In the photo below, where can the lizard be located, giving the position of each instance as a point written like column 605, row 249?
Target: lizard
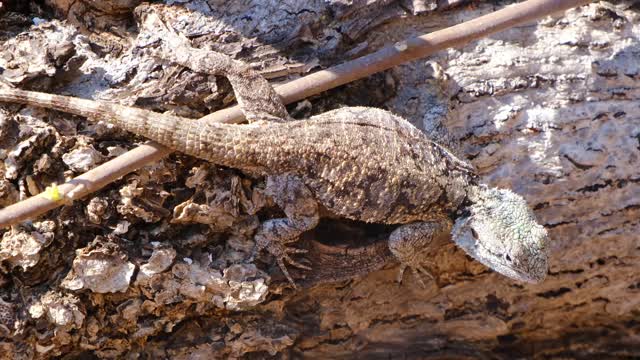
column 359, row 163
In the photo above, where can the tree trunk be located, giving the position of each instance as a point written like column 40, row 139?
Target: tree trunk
column 151, row 266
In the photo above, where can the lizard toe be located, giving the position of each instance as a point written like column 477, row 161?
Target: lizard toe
column 290, row 250
column 281, row 253
column 296, row 264
column 283, row 267
column 418, row 270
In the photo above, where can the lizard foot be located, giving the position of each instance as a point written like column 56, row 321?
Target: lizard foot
column 410, row 245
column 301, row 209
column 418, row 270
column 281, row 252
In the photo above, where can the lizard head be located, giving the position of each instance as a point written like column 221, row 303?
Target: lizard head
column 501, row 232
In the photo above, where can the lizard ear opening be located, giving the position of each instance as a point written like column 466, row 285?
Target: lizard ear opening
column 464, row 235
column 467, row 238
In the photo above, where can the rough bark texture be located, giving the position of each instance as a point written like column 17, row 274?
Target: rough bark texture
column 549, row 110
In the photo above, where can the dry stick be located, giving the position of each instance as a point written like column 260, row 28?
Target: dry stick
column 315, row 83
column 408, row 50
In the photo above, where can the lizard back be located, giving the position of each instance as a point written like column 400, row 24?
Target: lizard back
column 361, row 163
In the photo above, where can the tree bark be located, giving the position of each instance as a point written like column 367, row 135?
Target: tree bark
column 151, row 265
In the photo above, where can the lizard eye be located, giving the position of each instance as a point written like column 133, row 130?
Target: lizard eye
column 507, row 257
column 474, row 233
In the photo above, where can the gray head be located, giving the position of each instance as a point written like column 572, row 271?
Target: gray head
column 501, row 232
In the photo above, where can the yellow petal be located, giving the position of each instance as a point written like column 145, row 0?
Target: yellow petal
column 52, row 193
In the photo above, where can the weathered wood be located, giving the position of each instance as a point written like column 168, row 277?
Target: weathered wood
column 548, row 110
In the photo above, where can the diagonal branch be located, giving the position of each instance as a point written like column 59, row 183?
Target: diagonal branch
column 385, row 58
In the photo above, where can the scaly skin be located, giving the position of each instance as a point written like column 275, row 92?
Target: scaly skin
column 360, row 163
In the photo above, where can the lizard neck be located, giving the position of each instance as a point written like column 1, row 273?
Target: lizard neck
column 475, row 193
column 471, row 196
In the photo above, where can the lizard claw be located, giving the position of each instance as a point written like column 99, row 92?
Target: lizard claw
column 418, row 270
column 410, row 245
column 290, row 250
column 295, row 263
column 281, row 252
column 281, row 263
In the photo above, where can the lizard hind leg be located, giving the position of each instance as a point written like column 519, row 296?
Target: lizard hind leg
column 410, row 245
column 301, row 210
column 256, row 97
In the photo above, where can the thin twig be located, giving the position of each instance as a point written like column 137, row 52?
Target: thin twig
column 312, row 84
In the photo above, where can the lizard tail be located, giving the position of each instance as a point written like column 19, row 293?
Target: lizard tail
column 87, row 108
column 156, row 126
column 222, row 144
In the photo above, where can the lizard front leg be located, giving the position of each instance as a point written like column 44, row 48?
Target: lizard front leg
column 259, row 102
column 301, row 209
column 410, row 243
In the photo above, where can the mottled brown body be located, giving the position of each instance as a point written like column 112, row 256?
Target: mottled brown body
column 360, row 163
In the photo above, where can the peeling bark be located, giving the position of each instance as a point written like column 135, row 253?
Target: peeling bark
column 549, row 110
